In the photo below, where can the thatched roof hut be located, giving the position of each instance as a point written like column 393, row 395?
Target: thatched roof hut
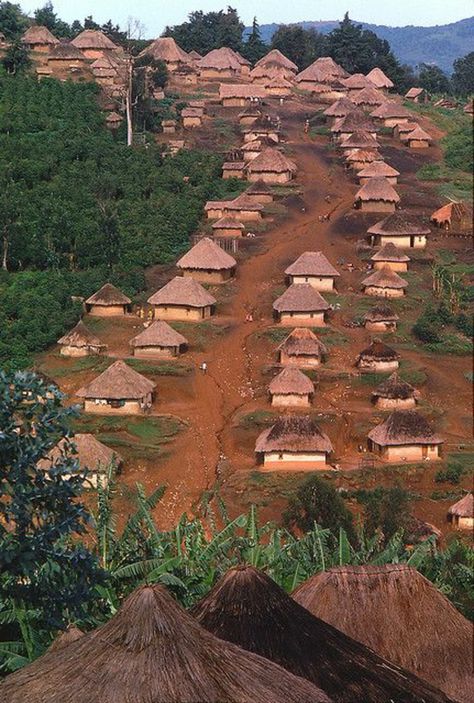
column 159, row 339
column 330, row 67
column 247, row 608
column 228, row 227
column 417, row 95
column 276, row 57
column 360, row 158
column 379, row 79
column 390, row 255
column 263, row 74
column 385, row 282
column 313, row 75
column 356, row 82
column 207, row 261
column 271, row 166
column 87, row 451
column 302, row 348
column 261, row 191
column 301, row 303
column 359, row 139
column 80, row 341
column 238, row 94
column 418, row 138
column 461, row 514
column 381, row 313
column 93, row 39
column 313, row 267
column 368, row 97
column 390, row 110
column 455, row 216
column 152, row 651
column 108, row 300
column 402, row 228
column 404, row 427
column 194, row 55
column 340, row 108
column 378, row 357
column 377, row 195
column 394, row 392
column 166, row 49
column 291, row 436
column 38, row 37
column 354, row 121
column 378, row 169
column 223, row 62
column 278, row 86
column 399, row 614
column 67, row 54
column 291, row 387
column 119, row 381
column 182, row 298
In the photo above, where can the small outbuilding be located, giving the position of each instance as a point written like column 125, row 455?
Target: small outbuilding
column 359, row 139
column 314, row 268
column 113, row 120
column 263, row 126
column 228, row 227
column 417, row 95
column 191, row 117
column 339, row 108
column 260, row 192
column 293, row 444
column 401, row 129
column 355, row 121
column 240, row 94
column 378, row 78
column 276, row 58
column 93, row 43
column 109, row 301
column 271, row 166
column 158, row 341
column 233, row 169
column 243, row 208
column 65, row 58
column 378, row 358
column 291, row 388
column 39, row 38
column 302, row 348
column 251, row 150
column 207, row 262
column 301, row 304
column 167, row 50
column 251, row 113
column 378, row 169
column 168, row 126
column 418, row 139
column 454, row 217
column 356, row 82
column 377, row 195
column 381, row 318
column 80, row 342
column 279, row 87
column 405, row 436
column 392, row 257
column 182, row 299
column 461, row 514
column 385, row 283
column 119, row 390
column 401, row 228
column 357, row 159
column 391, row 113
column 395, row 394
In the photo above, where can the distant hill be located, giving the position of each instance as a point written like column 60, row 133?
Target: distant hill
column 440, row 45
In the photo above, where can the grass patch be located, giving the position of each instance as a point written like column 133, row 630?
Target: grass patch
column 469, row 376
column 160, row 368
column 319, row 131
column 276, row 335
column 85, row 363
column 259, row 418
column 200, row 335
column 453, row 344
column 412, row 374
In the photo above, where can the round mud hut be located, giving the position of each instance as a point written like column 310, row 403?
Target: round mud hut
column 301, row 304
column 291, row 388
column 389, row 255
column 381, row 318
column 461, row 514
column 207, row 262
column 119, row 390
column 314, row 268
column 80, row 341
column 395, row 394
column 301, row 348
column 293, row 444
column 109, row 301
column 378, row 358
column 182, row 299
column 405, row 436
column 376, row 195
column 402, row 229
column 385, row 283
column 158, row 341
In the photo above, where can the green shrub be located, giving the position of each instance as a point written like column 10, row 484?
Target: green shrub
column 452, row 474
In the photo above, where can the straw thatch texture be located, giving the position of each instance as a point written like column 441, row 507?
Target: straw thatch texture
column 247, row 608
column 395, row 388
column 400, row 224
column 377, row 189
column 291, row 381
column 194, row 55
column 369, row 96
column 378, row 169
column 276, row 57
column 182, row 291
column 414, row 92
column 378, row 351
column 302, row 342
column 152, row 651
column 354, row 121
column 118, row 382
column 390, row 109
column 89, row 453
column 220, row 60
column 159, row 334
column 167, row 50
column 399, row 614
column 271, row 161
column 241, row 91
column 452, row 211
column 259, row 188
column 312, row 263
column 379, row 79
column 108, row 295
column 300, row 297
column 313, row 74
column 464, row 507
column 385, row 278
column 208, row 255
column 404, row 427
column 38, row 34
column 279, row 82
column 66, row 52
column 80, row 336
column 340, row 108
column 259, row 144
column 71, row 634
column 419, row 134
column 390, row 252
column 294, row 434
column 356, row 82
column 243, row 202
column 93, row 39
column 362, row 156
column 228, row 223
column 330, row 67
column 359, row 139
column 381, row 313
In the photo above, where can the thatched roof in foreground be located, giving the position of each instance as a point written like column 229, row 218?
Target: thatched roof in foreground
column 152, row 651
column 378, row 351
column 385, row 278
column 37, row 34
column 399, row 614
column 401, row 224
column 276, row 57
column 302, row 342
column 80, row 336
column 182, row 291
column 291, row 381
column 207, row 254
column 71, row 634
column 381, row 313
column 377, row 189
column 158, row 334
column 271, row 161
column 249, row 609
column 404, row 427
column 379, row 79
column 300, row 297
column 86, row 450
column 108, row 295
column 93, row 39
column 395, row 388
column 312, row 263
column 118, row 382
column 378, row 169
column 390, row 252
column 294, row 434
column 464, row 507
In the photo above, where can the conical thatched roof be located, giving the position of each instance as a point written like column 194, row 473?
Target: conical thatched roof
column 312, row 263
column 182, row 291
column 378, row 169
column 329, row 66
column 399, row 614
column 279, row 82
column 206, row 254
column 228, row 223
column 167, row 50
column 381, row 313
column 404, row 427
column 93, row 39
column 259, row 188
column 276, row 57
column 89, row 453
column 71, row 634
column 294, row 434
column 313, row 74
column 118, row 382
column 379, row 79
column 385, row 278
column 362, row 155
column 152, row 651
column 108, row 295
column 259, row 144
column 247, row 608
column 395, row 388
column 354, row 121
column 243, row 202
column 301, row 297
column 37, row 34
column 302, row 342
column 158, row 334
column 378, row 351
column 291, row 381
column 400, row 223
column 390, row 252
column 262, row 122
column 81, row 336
column 369, row 96
column 464, row 507
column 390, row 109
column 356, row 82
column 220, row 59
column 273, row 161
column 405, row 128
column 378, row 189
column 340, row 108
column 359, row 139
column 66, row 52
column 194, row 55
column 418, row 134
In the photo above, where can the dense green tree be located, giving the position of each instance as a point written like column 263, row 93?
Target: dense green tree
column 463, row 75
column 47, row 17
column 17, row 58
column 302, row 46
column 387, row 510
column 211, row 30
column 433, row 79
column 13, row 22
column 254, row 48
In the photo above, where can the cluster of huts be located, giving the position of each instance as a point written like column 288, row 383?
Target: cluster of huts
column 349, row 634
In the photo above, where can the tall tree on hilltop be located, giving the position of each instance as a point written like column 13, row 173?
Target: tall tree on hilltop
column 254, row 48
column 17, row 58
column 13, row 22
column 463, row 75
column 47, row 17
column 205, row 31
column 302, row 46
column 433, row 79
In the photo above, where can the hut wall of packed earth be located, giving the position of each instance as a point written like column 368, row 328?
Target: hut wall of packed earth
column 408, row 452
column 382, row 326
column 226, row 232
column 378, row 365
column 233, row 169
column 107, row 310
column 244, row 215
column 394, row 265
column 259, row 132
column 215, row 212
column 71, row 351
column 376, row 206
column 155, row 352
column 100, row 406
column 192, row 122
column 404, row 242
column 462, row 523
column 291, row 400
column 303, row 362
column 209, row 275
column 311, row 319
column 293, row 461
column 182, row 312
column 270, row 177
column 418, row 143
column 217, row 73
column 320, row 283
column 168, row 126
column 395, row 403
column 378, row 292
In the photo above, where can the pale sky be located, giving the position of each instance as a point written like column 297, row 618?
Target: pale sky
column 156, row 14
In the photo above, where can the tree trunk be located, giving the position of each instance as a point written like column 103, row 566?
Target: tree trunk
column 5, row 253
column 129, row 103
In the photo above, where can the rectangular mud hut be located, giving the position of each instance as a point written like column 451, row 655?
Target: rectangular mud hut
column 293, row 443
column 233, row 169
column 454, row 217
column 405, row 436
column 314, row 268
column 378, row 169
column 301, row 348
column 271, row 166
column 108, row 301
column 391, row 257
column 240, row 94
column 228, row 227
column 158, row 341
column 81, row 342
column 301, row 304
column 207, row 262
column 119, row 390
column 182, row 299
column 395, row 394
column 385, row 283
column 244, row 207
column 291, row 388
column 191, row 117
column 260, row 192
column 377, row 195
column 94, row 44
column 461, row 514
column 417, row 95
column 378, row 358
column 402, row 229
column 381, row 318
column 418, row 139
